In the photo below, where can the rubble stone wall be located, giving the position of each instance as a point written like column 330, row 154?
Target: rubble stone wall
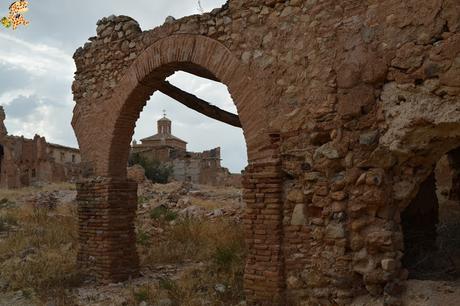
column 346, row 106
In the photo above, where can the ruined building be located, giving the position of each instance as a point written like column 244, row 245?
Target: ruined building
column 196, row 167
column 346, row 106
column 24, row 162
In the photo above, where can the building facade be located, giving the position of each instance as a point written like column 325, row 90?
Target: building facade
column 196, row 167
column 25, row 162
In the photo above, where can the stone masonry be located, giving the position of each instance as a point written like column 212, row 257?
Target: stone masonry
column 346, row 106
column 25, row 162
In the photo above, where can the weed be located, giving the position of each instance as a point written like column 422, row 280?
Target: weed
column 142, row 200
column 163, row 213
column 226, row 256
column 141, row 295
column 158, row 212
column 170, row 216
column 143, row 238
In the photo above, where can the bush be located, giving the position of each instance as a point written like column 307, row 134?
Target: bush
column 143, row 238
column 226, row 257
column 158, row 212
column 141, row 295
column 154, row 170
column 164, row 213
column 6, row 221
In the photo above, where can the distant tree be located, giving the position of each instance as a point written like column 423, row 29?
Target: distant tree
column 154, row 169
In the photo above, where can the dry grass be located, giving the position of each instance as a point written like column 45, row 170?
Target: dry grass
column 218, row 245
column 40, row 255
column 192, row 239
column 208, row 204
column 13, row 194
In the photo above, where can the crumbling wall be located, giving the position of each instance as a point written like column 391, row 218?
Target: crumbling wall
column 25, row 162
column 345, row 106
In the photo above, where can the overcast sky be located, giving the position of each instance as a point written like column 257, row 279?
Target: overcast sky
column 37, row 71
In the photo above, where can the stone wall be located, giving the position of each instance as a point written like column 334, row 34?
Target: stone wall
column 24, row 162
column 346, row 106
column 63, row 155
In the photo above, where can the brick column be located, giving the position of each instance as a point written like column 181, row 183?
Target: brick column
column 106, row 214
column 264, row 273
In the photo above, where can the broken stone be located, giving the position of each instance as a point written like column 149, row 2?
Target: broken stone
column 389, row 264
column 169, row 20
column 295, row 196
column 335, row 231
column 220, row 288
column 368, row 138
column 338, row 195
column 327, row 150
column 351, row 102
column 293, row 282
column 246, row 57
column 312, row 176
column 298, row 215
column 338, row 207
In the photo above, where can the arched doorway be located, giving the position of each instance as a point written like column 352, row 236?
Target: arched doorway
column 431, row 224
column 107, row 201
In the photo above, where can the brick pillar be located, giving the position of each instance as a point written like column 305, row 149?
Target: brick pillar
column 264, row 273
column 106, row 214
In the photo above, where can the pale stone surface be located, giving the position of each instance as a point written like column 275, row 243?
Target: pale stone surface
column 298, row 215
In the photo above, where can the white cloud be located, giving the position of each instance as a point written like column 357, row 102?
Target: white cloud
column 8, row 97
column 36, row 59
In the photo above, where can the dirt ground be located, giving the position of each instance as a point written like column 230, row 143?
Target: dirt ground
column 189, row 240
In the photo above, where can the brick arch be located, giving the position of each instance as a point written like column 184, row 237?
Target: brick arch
column 192, row 53
column 107, row 201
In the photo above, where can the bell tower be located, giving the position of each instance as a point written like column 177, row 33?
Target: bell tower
column 164, row 125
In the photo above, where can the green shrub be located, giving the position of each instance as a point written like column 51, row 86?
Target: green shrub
column 170, row 216
column 158, row 212
column 154, row 170
column 227, row 256
column 6, row 221
column 141, row 295
column 142, row 200
column 162, row 212
column 143, row 238
column 167, row 284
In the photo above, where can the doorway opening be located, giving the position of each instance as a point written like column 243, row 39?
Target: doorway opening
column 431, row 224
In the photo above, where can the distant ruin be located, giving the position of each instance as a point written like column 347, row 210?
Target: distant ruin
column 346, row 107
column 195, row 167
column 25, row 162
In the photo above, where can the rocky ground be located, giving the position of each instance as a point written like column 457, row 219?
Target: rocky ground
column 190, row 243
column 189, row 240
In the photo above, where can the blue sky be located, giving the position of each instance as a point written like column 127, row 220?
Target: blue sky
column 37, row 71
